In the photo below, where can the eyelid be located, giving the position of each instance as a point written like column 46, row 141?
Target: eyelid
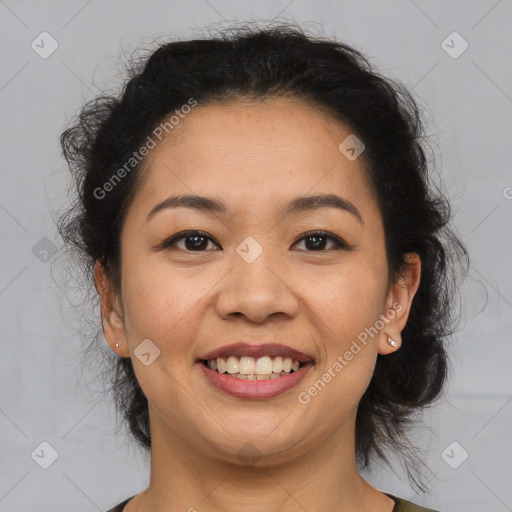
column 339, row 242
column 169, row 242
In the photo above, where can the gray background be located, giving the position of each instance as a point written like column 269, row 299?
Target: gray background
column 468, row 103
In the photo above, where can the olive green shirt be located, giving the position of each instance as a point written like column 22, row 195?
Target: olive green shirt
column 401, row 505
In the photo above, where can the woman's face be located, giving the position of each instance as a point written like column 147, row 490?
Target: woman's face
column 254, row 276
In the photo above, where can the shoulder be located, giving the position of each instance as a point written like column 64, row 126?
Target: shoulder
column 407, row 506
column 120, row 506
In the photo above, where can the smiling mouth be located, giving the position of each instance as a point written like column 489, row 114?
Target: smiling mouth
column 252, row 368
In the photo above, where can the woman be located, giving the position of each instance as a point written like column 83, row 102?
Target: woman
column 275, row 271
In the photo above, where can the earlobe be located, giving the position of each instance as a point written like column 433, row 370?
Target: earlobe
column 391, row 341
column 388, row 343
column 113, row 325
column 399, row 301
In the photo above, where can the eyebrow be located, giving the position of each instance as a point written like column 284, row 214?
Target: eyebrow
column 298, row 205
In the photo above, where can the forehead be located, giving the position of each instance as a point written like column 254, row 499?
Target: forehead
column 250, row 153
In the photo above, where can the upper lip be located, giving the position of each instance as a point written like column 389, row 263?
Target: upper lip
column 259, row 350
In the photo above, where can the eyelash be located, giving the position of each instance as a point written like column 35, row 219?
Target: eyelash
column 338, row 242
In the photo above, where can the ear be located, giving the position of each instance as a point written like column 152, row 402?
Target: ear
column 111, row 311
column 398, row 303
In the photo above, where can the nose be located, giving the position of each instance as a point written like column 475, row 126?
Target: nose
column 257, row 290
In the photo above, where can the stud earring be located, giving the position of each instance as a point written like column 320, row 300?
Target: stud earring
column 391, row 341
column 117, row 344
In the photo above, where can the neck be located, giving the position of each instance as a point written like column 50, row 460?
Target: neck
column 320, row 478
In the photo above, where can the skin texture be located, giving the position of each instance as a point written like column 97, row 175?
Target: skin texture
column 255, row 157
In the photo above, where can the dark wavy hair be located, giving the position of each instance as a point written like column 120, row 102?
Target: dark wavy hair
column 254, row 64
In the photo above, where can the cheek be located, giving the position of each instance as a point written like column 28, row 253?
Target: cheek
column 166, row 310
column 351, row 300
column 347, row 310
column 161, row 305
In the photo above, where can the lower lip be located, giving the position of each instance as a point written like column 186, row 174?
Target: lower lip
column 254, row 388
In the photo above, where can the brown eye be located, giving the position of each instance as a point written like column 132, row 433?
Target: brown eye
column 318, row 240
column 194, row 241
column 197, row 241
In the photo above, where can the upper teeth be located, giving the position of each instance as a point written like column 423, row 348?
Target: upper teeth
column 253, row 366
